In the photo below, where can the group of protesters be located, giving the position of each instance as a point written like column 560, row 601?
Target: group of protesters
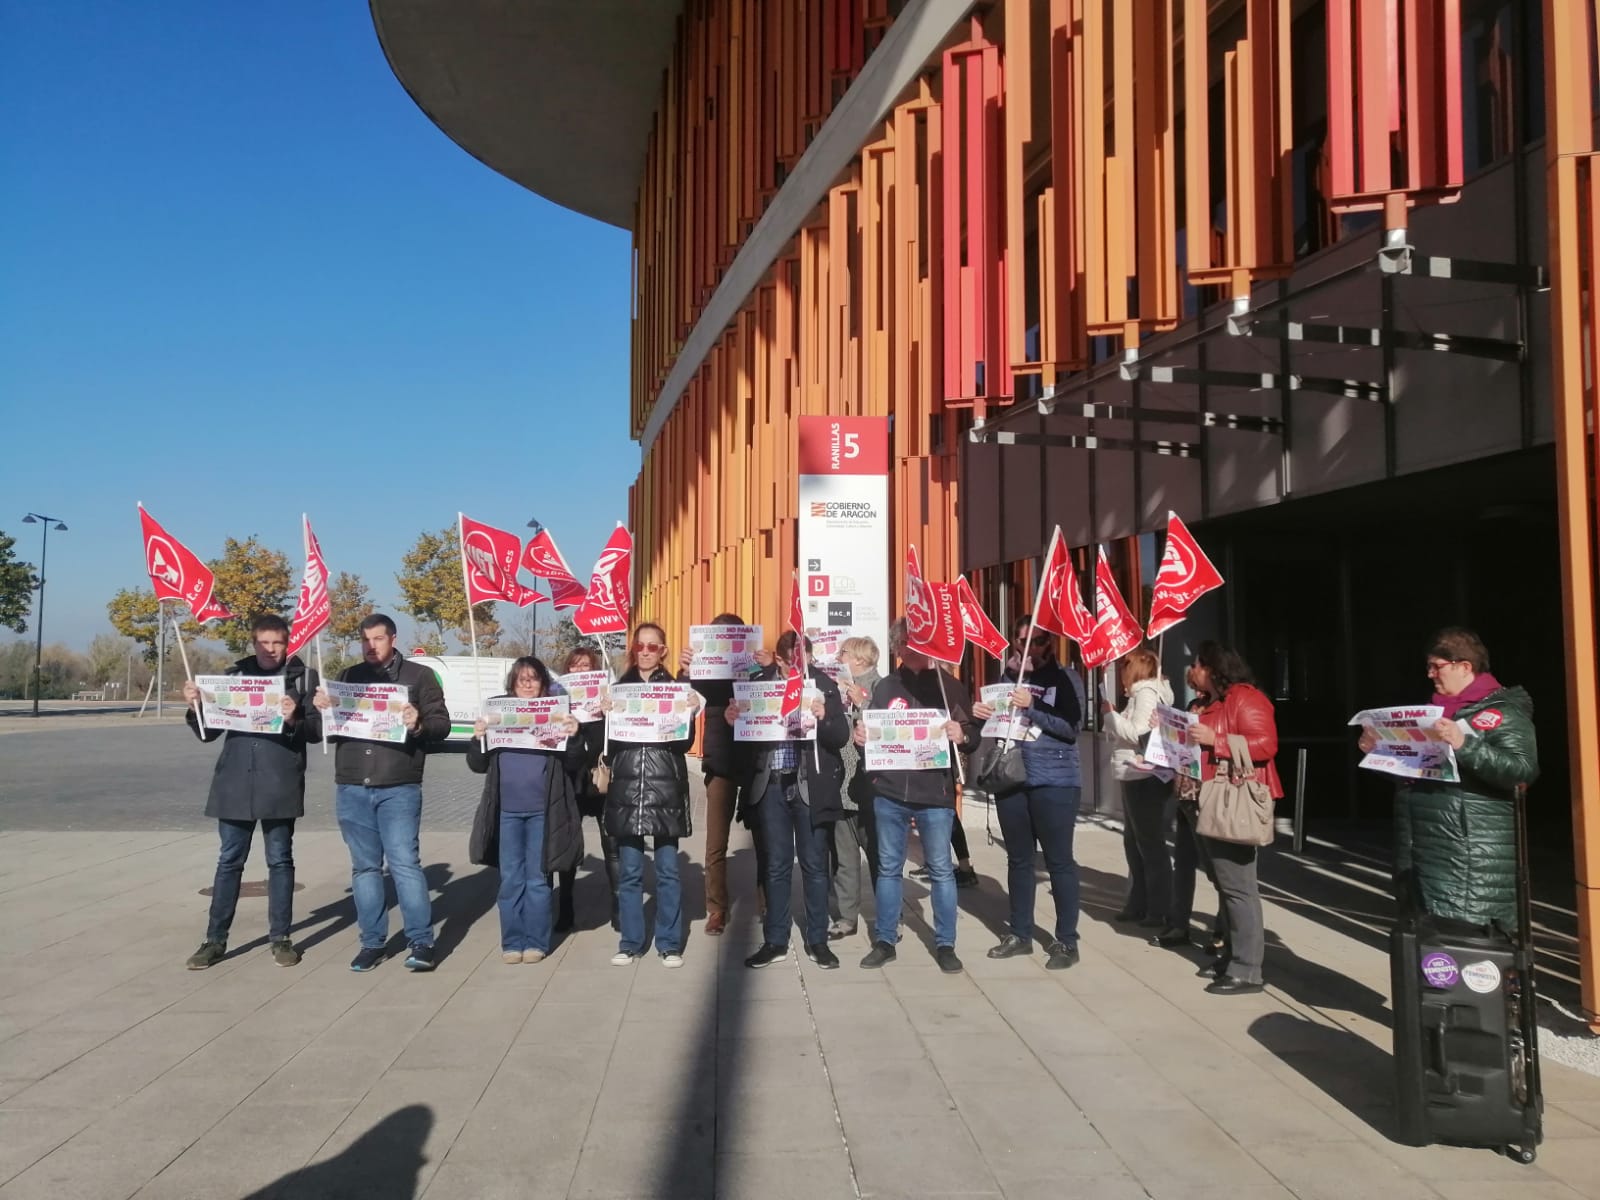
column 811, row 804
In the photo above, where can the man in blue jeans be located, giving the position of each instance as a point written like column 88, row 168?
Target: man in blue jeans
column 259, row 777
column 926, row 799
column 378, row 791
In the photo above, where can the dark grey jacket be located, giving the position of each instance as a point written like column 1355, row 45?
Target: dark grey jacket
column 821, row 774
column 377, row 764
column 262, row 776
column 563, row 824
column 649, row 793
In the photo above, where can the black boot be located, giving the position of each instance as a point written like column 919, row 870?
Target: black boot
column 565, row 920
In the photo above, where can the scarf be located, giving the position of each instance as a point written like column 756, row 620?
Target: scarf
column 1481, row 686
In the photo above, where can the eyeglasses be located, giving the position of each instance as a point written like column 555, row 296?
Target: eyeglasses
column 1435, row 667
column 648, row 647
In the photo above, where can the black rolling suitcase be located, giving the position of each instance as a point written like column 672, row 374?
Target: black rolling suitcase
column 1466, row 1039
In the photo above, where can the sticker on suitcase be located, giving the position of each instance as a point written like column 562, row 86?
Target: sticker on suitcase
column 1482, row 977
column 1440, row 970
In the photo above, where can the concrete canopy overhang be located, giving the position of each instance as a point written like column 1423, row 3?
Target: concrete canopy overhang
column 555, row 95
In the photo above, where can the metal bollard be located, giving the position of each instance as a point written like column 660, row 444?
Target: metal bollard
column 1300, row 801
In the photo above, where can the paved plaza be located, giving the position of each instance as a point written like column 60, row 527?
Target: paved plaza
column 122, row 1074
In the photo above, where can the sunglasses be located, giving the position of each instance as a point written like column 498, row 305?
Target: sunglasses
column 648, row 647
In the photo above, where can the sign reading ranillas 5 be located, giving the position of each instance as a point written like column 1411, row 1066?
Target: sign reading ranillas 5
column 844, row 524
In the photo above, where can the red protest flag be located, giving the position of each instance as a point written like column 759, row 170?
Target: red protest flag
column 1185, row 575
column 489, row 564
column 797, row 617
column 176, row 573
column 793, row 687
column 315, row 609
column 541, row 559
column 605, row 607
column 975, row 623
column 1115, row 631
column 1060, row 605
column 933, row 615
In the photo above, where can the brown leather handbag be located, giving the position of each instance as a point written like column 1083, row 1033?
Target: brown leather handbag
column 1236, row 806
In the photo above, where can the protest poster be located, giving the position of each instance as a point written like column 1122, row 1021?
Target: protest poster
column 836, row 670
column 650, row 712
column 1407, row 745
column 519, row 723
column 825, row 643
column 369, row 712
column 1171, row 747
column 586, row 692
column 761, row 716
column 723, row 651
column 905, row 739
column 242, row 703
column 1008, row 720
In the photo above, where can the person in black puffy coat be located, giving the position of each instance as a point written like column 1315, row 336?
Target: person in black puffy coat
column 649, row 797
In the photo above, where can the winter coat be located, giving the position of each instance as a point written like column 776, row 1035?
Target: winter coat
column 1050, row 742
column 563, row 823
column 649, row 795
column 262, row 776
column 1131, row 726
column 718, row 754
column 384, row 764
column 821, row 774
column 584, row 749
column 905, row 688
column 1245, row 711
column 1455, row 843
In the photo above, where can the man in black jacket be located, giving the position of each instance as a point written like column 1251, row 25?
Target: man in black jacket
column 259, row 777
column 795, row 788
column 924, row 798
column 378, row 791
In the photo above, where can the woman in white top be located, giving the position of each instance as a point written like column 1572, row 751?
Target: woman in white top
column 1146, row 800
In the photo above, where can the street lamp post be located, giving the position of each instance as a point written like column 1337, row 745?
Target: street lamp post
column 533, row 638
column 43, row 522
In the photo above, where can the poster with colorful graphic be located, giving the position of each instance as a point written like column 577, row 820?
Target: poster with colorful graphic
column 1407, row 745
column 1171, row 748
column 369, row 712
column 723, row 651
column 905, row 739
column 650, row 712
column 836, row 671
column 586, row 692
column 825, row 643
column 516, row 723
column 761, row 716
column 1008, row 720
column 242, row 703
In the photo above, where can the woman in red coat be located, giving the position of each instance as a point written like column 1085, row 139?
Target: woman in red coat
column 1238, row 707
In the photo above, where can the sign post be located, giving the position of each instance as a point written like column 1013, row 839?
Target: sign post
column 844, row 525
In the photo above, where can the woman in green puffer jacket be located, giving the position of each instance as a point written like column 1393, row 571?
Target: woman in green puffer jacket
column 1455, row 843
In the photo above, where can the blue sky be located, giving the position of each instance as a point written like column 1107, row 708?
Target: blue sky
column 244, row 277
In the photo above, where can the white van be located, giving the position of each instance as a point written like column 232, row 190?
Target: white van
column 467, row 683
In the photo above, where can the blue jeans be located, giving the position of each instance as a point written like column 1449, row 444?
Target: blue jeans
column 894, row 821
column 381, row 824
column 526, row 920
column 630, row 895
column 1048, row 815
column 278, row 838
column 786, row 826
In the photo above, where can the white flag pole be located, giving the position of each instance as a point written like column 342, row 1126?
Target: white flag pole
column 1033, row 623
column 177, row 632
column 472, row 624
column 955, row 751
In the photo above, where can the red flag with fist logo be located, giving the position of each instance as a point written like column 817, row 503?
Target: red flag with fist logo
column 1060, row 607
column 933, row 615
column 315, row 609
column 489, row 565
column 1185, row 575
column 975, row 623
column 1115, row 630
column 541, row 559
column 176, row 573
column 606, row 607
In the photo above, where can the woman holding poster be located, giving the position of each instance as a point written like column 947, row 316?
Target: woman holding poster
column 589, row 741
column 649, row 797
column 1238, row 707
column 1144, row 795
column 540, row 829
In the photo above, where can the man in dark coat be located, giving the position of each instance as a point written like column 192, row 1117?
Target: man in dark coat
column 378, row 796
column 796, row 789
column 259, row 777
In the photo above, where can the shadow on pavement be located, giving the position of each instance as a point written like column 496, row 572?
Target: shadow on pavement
column 1345, row 1066
column 382, row 1164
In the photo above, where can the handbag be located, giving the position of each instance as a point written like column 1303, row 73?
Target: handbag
column 483, row 844
column 997, row 767
column 1237, row 806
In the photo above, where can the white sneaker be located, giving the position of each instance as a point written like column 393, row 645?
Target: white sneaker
column 622, row 958
column 672, row 960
